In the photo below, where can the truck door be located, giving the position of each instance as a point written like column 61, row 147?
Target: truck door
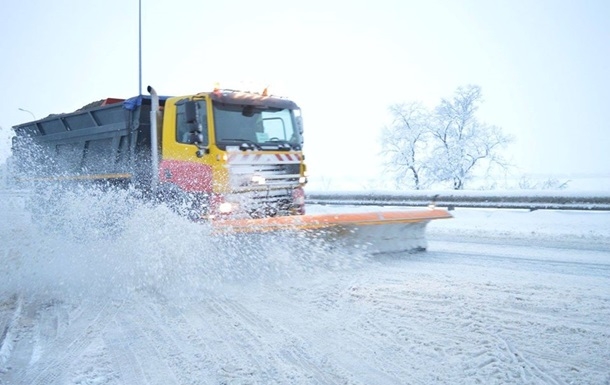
column 185, row 142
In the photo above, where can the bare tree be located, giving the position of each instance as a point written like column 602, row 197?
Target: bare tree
column 463, row 143
column 447, row 145
column 404, row 143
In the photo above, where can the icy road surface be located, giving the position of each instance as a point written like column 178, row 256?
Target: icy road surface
column 500, row 297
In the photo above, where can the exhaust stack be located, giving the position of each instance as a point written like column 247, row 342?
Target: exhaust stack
column 154, row 114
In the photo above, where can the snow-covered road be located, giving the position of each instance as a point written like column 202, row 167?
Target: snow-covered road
column 500, row 297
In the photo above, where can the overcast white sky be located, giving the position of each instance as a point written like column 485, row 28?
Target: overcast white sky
column 543, row 65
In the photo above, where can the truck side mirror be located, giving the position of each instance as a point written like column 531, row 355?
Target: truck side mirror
column 190, row 111
column 195, row 137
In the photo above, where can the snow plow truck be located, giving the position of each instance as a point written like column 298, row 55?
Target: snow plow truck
column 230, row 158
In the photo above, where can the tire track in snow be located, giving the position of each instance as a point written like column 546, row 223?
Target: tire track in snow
column 361, row 346
column 230, row 367
column 129, row 367
column 148, row 345
column 164, row 323
column 401, row 345
column 499, row 361
column 379, row 342
column 47, row 326
column 188, row 330
column 144, row 349
column 458, row 325
column 253, row 348
column 293, row 348
column 7, row 330
column 529, row 369
column 66, row 349
column 262, row 359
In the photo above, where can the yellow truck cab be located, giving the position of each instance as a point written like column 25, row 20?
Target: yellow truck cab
column 239, row 153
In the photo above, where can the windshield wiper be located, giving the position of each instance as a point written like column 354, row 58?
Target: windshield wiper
column 247, row 144
column 281, row 144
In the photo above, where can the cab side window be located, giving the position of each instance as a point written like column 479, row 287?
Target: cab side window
column 185, row 130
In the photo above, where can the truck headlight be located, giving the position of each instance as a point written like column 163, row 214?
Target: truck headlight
column 225, row 208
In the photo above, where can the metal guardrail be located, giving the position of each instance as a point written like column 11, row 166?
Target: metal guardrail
column 521, row 199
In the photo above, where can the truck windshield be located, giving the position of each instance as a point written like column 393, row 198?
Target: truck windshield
column 255, row 127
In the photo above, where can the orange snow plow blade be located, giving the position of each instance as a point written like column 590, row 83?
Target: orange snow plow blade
column 373, row 232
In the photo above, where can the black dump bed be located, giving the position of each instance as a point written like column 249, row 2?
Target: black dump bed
column 106, row 140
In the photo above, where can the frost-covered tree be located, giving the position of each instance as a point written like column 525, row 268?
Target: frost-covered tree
column 462, row 142
column 404, row 143
column 447, row 145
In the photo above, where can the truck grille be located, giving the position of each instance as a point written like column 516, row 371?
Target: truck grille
column 264, row 181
